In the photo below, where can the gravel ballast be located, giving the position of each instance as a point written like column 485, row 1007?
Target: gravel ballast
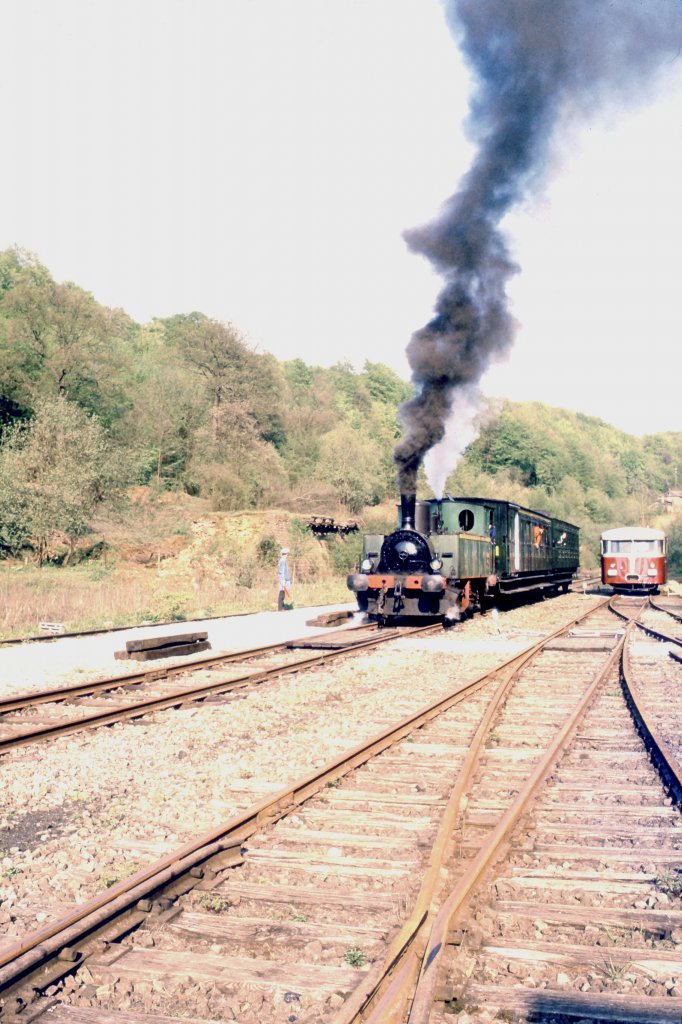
column 81, row 812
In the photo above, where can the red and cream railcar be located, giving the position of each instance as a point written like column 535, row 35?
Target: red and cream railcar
column 633, row 558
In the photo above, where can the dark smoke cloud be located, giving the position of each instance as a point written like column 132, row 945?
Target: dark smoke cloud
column 533, row 61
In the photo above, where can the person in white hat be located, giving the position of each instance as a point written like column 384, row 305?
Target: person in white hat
column 283, row 580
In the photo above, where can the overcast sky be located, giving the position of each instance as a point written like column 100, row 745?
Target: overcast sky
column 258, row 160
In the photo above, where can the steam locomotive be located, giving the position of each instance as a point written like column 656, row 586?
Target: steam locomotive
column 451, row 556
column 633, row 559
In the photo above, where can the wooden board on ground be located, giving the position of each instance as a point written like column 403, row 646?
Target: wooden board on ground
column 652, row 961
column 612, row 917
column 152, row 642
column 218, row 927
column 176, row 967
column 98, row 1015
column 590, row 1005
column 330, row 619
column 298, row 895
column 151, row 648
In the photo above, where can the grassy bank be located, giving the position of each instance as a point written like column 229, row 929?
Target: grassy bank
column 169, row 558
column 92, row 597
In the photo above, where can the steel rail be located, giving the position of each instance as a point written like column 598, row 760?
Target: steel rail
column 659, row 635
column 621, row 613
column 668, row 611
column 415, row 965
column 47, row 942
column 21, row 701
column 412, row 927
column 454, row 904
column 178, row 697
column 665, row 762
column 665, row 637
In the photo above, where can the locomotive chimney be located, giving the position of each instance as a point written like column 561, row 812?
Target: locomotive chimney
column 408, row 504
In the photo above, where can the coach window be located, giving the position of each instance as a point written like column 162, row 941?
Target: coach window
column 466, row 519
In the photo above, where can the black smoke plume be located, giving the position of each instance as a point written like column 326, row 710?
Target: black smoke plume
column 534, row 62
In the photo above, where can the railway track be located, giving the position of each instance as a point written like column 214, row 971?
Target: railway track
column 396, row 802
column 46, row 714
column 670, row 605
column 300, row 908
column 581, row 921
column 40, row 715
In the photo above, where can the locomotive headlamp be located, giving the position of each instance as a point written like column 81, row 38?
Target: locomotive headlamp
column 436, row 564
column 367, row 565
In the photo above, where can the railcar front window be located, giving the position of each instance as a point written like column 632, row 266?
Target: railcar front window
column 633, row 547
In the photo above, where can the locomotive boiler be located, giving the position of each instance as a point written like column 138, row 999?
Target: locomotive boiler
column 451, row 556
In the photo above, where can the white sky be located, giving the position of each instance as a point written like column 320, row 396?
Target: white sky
column 258, row 160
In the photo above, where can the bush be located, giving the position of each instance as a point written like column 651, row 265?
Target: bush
column 267, row 550
column 344, row 553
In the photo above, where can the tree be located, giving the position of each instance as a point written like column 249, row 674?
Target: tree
column 384, row 385
column 674, row 531
column 54, row 472
column 217, row 352
column 56, row 340
column 162, row 425
column 352, row 464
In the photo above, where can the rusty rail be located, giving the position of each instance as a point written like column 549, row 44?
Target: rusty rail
column 46, row 943
column 663, row 758
column 409, row 973
column 20, row 701
column 178, row 697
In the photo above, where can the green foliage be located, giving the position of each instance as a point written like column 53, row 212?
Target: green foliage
column 267, row 550
column 54, row 472
column 355, row 957
column 193, row 407
column 574, row 466
column 384, row 385
column 214, row 902
column 344, row 552
column 351, row 463
column 56, row 340
column 674, row 532
column 670, row 882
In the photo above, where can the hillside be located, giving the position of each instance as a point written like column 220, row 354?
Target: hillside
column 117, row 438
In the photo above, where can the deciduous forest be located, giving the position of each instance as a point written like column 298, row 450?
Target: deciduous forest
column 93, row 404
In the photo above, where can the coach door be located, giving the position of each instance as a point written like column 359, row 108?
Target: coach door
column 514, row 541
column 517, row 543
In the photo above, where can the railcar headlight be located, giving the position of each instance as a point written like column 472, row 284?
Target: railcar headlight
column 367, row 565
column 436, row 564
